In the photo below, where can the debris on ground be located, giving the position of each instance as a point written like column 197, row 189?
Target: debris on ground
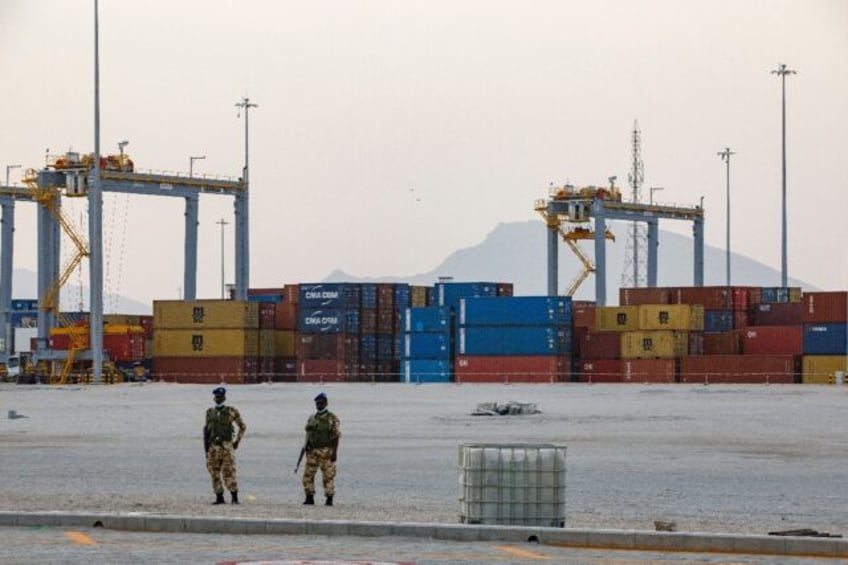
column 665, row 526
column 805, row 532
column 510, row 408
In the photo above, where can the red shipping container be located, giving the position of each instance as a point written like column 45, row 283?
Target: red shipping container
column 639, row 296
column 385, row 296
column 321, row 371
column 773, row 340
column 775, row 314
column 376, row 372
column 740, row 369
column 600, row 371
column 285, row 370
column 385, row 322
column 512, row 369
column 342, row 347
column 125, row 347
column 267, row 315
column 711, row 297
column 291, row 293
column 649, row 370
column 724, row 343
column 583, row 314
column 601, row 345
column 147, row 324
column 264, row 291
column 503, row 289
column 285, row 316
column 205, row 370
column 824, row 307
column 740, row 319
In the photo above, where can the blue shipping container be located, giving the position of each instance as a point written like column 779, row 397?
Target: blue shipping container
column 329, row 295
column 515, row 311
column 385, row 347
column 369, row 295
column 513, row 340
column 318, row 321
column 427, row 346
column 427, row 371
column 826, row 339
column 402, row 296
column 265, row 298
column 448, row 294
column 718, row 321
column 427, row 319
column 368, row 347
column 24, row 304
column 23, row 318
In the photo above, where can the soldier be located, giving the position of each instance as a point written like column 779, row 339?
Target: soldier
column 220, row 445
column 322, row 446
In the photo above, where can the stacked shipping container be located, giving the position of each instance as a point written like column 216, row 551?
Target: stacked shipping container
column 825, row 341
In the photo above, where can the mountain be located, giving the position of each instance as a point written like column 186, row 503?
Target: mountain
column 517, row 252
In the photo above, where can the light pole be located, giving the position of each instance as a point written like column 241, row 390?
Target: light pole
column 222, row 223
column 782, row 71
column 191, row 161
column 725, row 156
column 651, row 192
column 9, row 168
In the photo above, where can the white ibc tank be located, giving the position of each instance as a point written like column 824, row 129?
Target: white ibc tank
column 512, row 484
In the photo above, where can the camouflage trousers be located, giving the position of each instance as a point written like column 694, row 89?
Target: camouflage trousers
column 221, row 464
column 319, row 458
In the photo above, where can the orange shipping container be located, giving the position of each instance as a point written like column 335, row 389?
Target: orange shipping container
column 211, row 314
column 206, row 343
column 205, row 370
column 600, row 371
column 739, row 369
column 645, row 295
column 512, row 369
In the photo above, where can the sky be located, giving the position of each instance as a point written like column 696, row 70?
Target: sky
column 389, row 134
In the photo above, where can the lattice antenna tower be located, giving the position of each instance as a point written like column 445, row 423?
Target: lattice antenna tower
column 634, row 273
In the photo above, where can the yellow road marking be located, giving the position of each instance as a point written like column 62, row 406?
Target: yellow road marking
column 80, row 538
column 522, row 552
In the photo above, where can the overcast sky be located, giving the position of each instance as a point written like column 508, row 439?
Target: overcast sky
column 391, row 133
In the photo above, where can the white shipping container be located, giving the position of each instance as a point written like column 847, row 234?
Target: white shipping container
column 23, row 339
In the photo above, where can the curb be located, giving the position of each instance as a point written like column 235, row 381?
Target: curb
column 600, row 539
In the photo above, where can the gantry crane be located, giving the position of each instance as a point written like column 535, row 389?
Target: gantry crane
column 69, row 175
column 569, row 209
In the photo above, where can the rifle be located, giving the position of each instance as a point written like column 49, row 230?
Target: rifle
column 300, row 458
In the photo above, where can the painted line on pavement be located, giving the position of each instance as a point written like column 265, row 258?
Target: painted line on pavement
column 80, row 538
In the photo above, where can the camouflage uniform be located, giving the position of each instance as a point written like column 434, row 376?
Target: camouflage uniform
column 220, row 446
column 322, row 438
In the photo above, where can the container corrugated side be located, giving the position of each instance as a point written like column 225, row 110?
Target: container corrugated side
column 426, row 371
column 427, row 319
column 321, row 320
column 205, row 370
column 600, row 371
column 600, row 345
column 206, row 343
column 773, row 340
column 513, row 340
column 426, row 345
column 330, row 295
column 616, row 318
column 683, row 317
column 739, row 369
column 418, row 296
column 724, row 343
column 645, row 295
column 654, row 344
column 267, row 345
column 825, row 339
column 824, row 307
column 323, row 371
column 775, row 314
column 514, row 310
column 649, row 370
column 211, row 314
column 512, row 369
column 821, row 369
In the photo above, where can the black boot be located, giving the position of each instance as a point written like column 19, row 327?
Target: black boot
column 310, row 499
column 234, row 495
column 219, row 498
column 329, row 501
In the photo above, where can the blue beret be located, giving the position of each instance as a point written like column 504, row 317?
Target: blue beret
column 220, row 391
column 321, row 396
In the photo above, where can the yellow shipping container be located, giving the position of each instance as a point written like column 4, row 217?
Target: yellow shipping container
column 267, row 347
column 285, row 343
column 211, row 314
column 206, row 343
column 821, row 369
column 684, row 317
column 617, row 318
column 654, row 345
column 417, row 295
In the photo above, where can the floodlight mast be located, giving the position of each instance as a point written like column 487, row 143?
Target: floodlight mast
column 242, row 251
column 725, row 156
column 782, row 71
column 95, row 227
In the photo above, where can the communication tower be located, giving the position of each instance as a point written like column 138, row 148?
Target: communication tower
column 634, row 273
